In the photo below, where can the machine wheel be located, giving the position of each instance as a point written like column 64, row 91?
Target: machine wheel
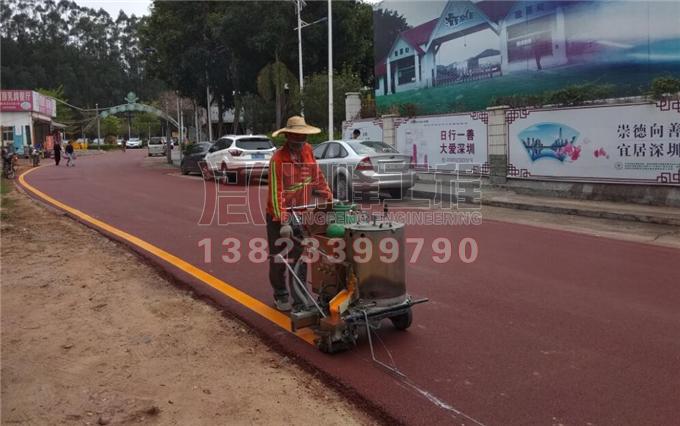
column 341, row 190
column 326, row 346
column 402, row 321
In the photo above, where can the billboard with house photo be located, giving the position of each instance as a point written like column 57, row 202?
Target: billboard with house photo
column 446, row 56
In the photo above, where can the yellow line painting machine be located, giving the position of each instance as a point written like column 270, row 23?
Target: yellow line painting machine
column 354, row 264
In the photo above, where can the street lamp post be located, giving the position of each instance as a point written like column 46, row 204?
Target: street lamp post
column 207, row 109
column 168, row 142
column 299, row 4
column 330, row 70
column 181, row 132
column 129, row 117
column 179, row 123
column 299, row 31
column 99, row 135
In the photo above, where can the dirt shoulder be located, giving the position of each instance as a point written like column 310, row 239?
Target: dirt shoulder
column 92, row 336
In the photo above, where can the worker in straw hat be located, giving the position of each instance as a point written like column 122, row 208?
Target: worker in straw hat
column 294, row 180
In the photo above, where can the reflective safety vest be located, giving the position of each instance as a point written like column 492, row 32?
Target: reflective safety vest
column 291, row 181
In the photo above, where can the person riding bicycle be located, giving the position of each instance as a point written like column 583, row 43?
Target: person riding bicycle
column 294, row 180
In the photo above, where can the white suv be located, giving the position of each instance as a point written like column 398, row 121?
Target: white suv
column 157, row 145
column 233, row 158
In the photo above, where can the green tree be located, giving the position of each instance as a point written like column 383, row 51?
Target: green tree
column 95, row 59
column 315, row 97
column 387, row 26
column 275, row 82
column 65, row 114
column 144, row 123
column 111, row 126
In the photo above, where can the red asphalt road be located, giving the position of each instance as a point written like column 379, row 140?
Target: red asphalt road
column 546, row 327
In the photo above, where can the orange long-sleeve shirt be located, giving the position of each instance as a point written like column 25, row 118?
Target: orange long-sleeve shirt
column 292, row 179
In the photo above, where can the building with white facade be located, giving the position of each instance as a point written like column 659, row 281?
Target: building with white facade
column 26, row 118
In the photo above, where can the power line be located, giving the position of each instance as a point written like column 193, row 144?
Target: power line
column 83, row 109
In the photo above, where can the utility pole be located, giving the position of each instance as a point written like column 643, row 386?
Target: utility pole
column 99, row 135
column 330, row 70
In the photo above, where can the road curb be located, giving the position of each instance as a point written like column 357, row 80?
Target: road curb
column 574, row 211
column 221, row 301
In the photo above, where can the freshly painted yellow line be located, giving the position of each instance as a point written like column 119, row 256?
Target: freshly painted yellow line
column 228, row 290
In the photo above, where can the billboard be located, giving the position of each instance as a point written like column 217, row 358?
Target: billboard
column 625, row 143
column 444, row 142
column 369, row 130
column 16, row 100
column 27, row 100
column 446, row 56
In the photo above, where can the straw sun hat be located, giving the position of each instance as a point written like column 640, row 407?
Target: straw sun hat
column 296, row 124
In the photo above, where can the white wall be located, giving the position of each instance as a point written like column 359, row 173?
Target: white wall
column 10, row 119
column 618, row 144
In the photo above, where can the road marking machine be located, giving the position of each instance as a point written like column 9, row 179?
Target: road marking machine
column 354, row 263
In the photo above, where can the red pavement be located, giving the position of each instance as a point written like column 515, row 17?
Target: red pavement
column 546, row 327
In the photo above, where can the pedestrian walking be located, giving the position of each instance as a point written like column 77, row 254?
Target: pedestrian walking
column 70, row 155
column 57, row 152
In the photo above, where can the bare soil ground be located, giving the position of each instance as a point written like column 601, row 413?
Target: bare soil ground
column 92, row 336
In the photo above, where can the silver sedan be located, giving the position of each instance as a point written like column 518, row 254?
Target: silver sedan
column 364, row 166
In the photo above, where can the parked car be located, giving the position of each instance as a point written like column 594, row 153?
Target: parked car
column 364, row 166
column 133, row 143
column 157, row 145
column 235, row 157
column 194, row 157
column 119, row 142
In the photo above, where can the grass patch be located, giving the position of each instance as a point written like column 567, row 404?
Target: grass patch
column 626, row 80
column 5, row 186
column 5, row 202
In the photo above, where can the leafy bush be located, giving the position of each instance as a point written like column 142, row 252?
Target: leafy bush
column 664, row 86
column 408, row 110
column 315, row 97
column 312, row 139
column 576, row 94
column 104, row 147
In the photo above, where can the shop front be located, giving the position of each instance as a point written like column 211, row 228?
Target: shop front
column 26, row 118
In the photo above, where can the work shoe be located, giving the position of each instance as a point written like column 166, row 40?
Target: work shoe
column 282, row 305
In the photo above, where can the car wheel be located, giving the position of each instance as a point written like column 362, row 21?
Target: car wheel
column 341, row 190
column 395, row 193
column 225, row 175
